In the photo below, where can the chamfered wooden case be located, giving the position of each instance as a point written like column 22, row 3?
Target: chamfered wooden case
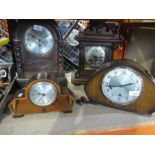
column 145, row 104
column 22, row 105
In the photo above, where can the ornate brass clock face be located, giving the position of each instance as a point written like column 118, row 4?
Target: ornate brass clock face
column 122, row 85
column 95, row 56
column 43, row 93
column 38, row 40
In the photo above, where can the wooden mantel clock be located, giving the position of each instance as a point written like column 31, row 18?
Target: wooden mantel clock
column 45, row 92
column 98, row 44
column 124, row 85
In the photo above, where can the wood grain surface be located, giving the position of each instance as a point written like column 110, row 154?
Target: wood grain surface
column 145, row 104
column 23, row 105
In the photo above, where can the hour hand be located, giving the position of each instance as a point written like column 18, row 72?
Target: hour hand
column 45, row 36
column 33, row 36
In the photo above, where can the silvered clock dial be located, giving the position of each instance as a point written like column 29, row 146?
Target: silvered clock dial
column 122, row 85
column 95, row 56
column 38, row 40
column 43, row 93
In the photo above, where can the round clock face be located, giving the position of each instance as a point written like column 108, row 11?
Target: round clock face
column 43, row 93
column 95, row 56
column 122, row 85
column 38, row 40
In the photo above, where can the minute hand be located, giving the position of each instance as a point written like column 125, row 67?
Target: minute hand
column 128, row 84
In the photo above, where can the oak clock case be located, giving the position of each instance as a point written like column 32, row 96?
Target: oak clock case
column 45, row 92
column 97, row 47
column 35, row 46
column 124, row 85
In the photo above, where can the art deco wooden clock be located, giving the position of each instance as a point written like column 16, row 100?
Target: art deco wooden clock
column 97, row 46
column 44, row 93
column 125, row 85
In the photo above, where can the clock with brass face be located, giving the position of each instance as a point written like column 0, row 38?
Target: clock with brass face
column 45, row 92
column 97, row 45
column 123, row 84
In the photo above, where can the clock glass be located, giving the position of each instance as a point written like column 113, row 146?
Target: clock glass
column 95, row 56
column 43, row 93
column 122, row 85
column 38, row 40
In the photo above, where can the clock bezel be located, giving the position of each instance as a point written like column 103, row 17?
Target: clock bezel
column 107, row 51
column 40, row 54
column 133, row 70
column 43, row 80
column 38, row 83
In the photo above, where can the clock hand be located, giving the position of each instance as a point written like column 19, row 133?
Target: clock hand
column 44, row 37
column 120, row 85
column 34, row 36
column 40, row 99
column 99, row 57
column 42, row 94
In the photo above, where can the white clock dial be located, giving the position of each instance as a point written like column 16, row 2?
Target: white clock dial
column 122, row 85
column 43, row 93
column 38, row 40
column 95, row 56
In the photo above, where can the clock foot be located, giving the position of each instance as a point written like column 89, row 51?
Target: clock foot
column 147, row 114
column 18, row 116
column 77, row 84
column 82, row 100
column 69, row 111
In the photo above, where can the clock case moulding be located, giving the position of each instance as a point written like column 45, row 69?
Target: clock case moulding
column 97, row 35
column 145, row 104
column 21, row 104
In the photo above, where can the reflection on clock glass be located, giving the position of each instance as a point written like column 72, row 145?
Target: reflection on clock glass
column 122, row 85
column 43, row 93
column 95, row 56
column 38, row 40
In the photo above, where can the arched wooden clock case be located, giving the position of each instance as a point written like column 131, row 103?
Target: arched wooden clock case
column 34, row 45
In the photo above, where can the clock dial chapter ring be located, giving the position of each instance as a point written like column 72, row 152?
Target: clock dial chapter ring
column 43, row 93
column 122, row 85
column 38, row 40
